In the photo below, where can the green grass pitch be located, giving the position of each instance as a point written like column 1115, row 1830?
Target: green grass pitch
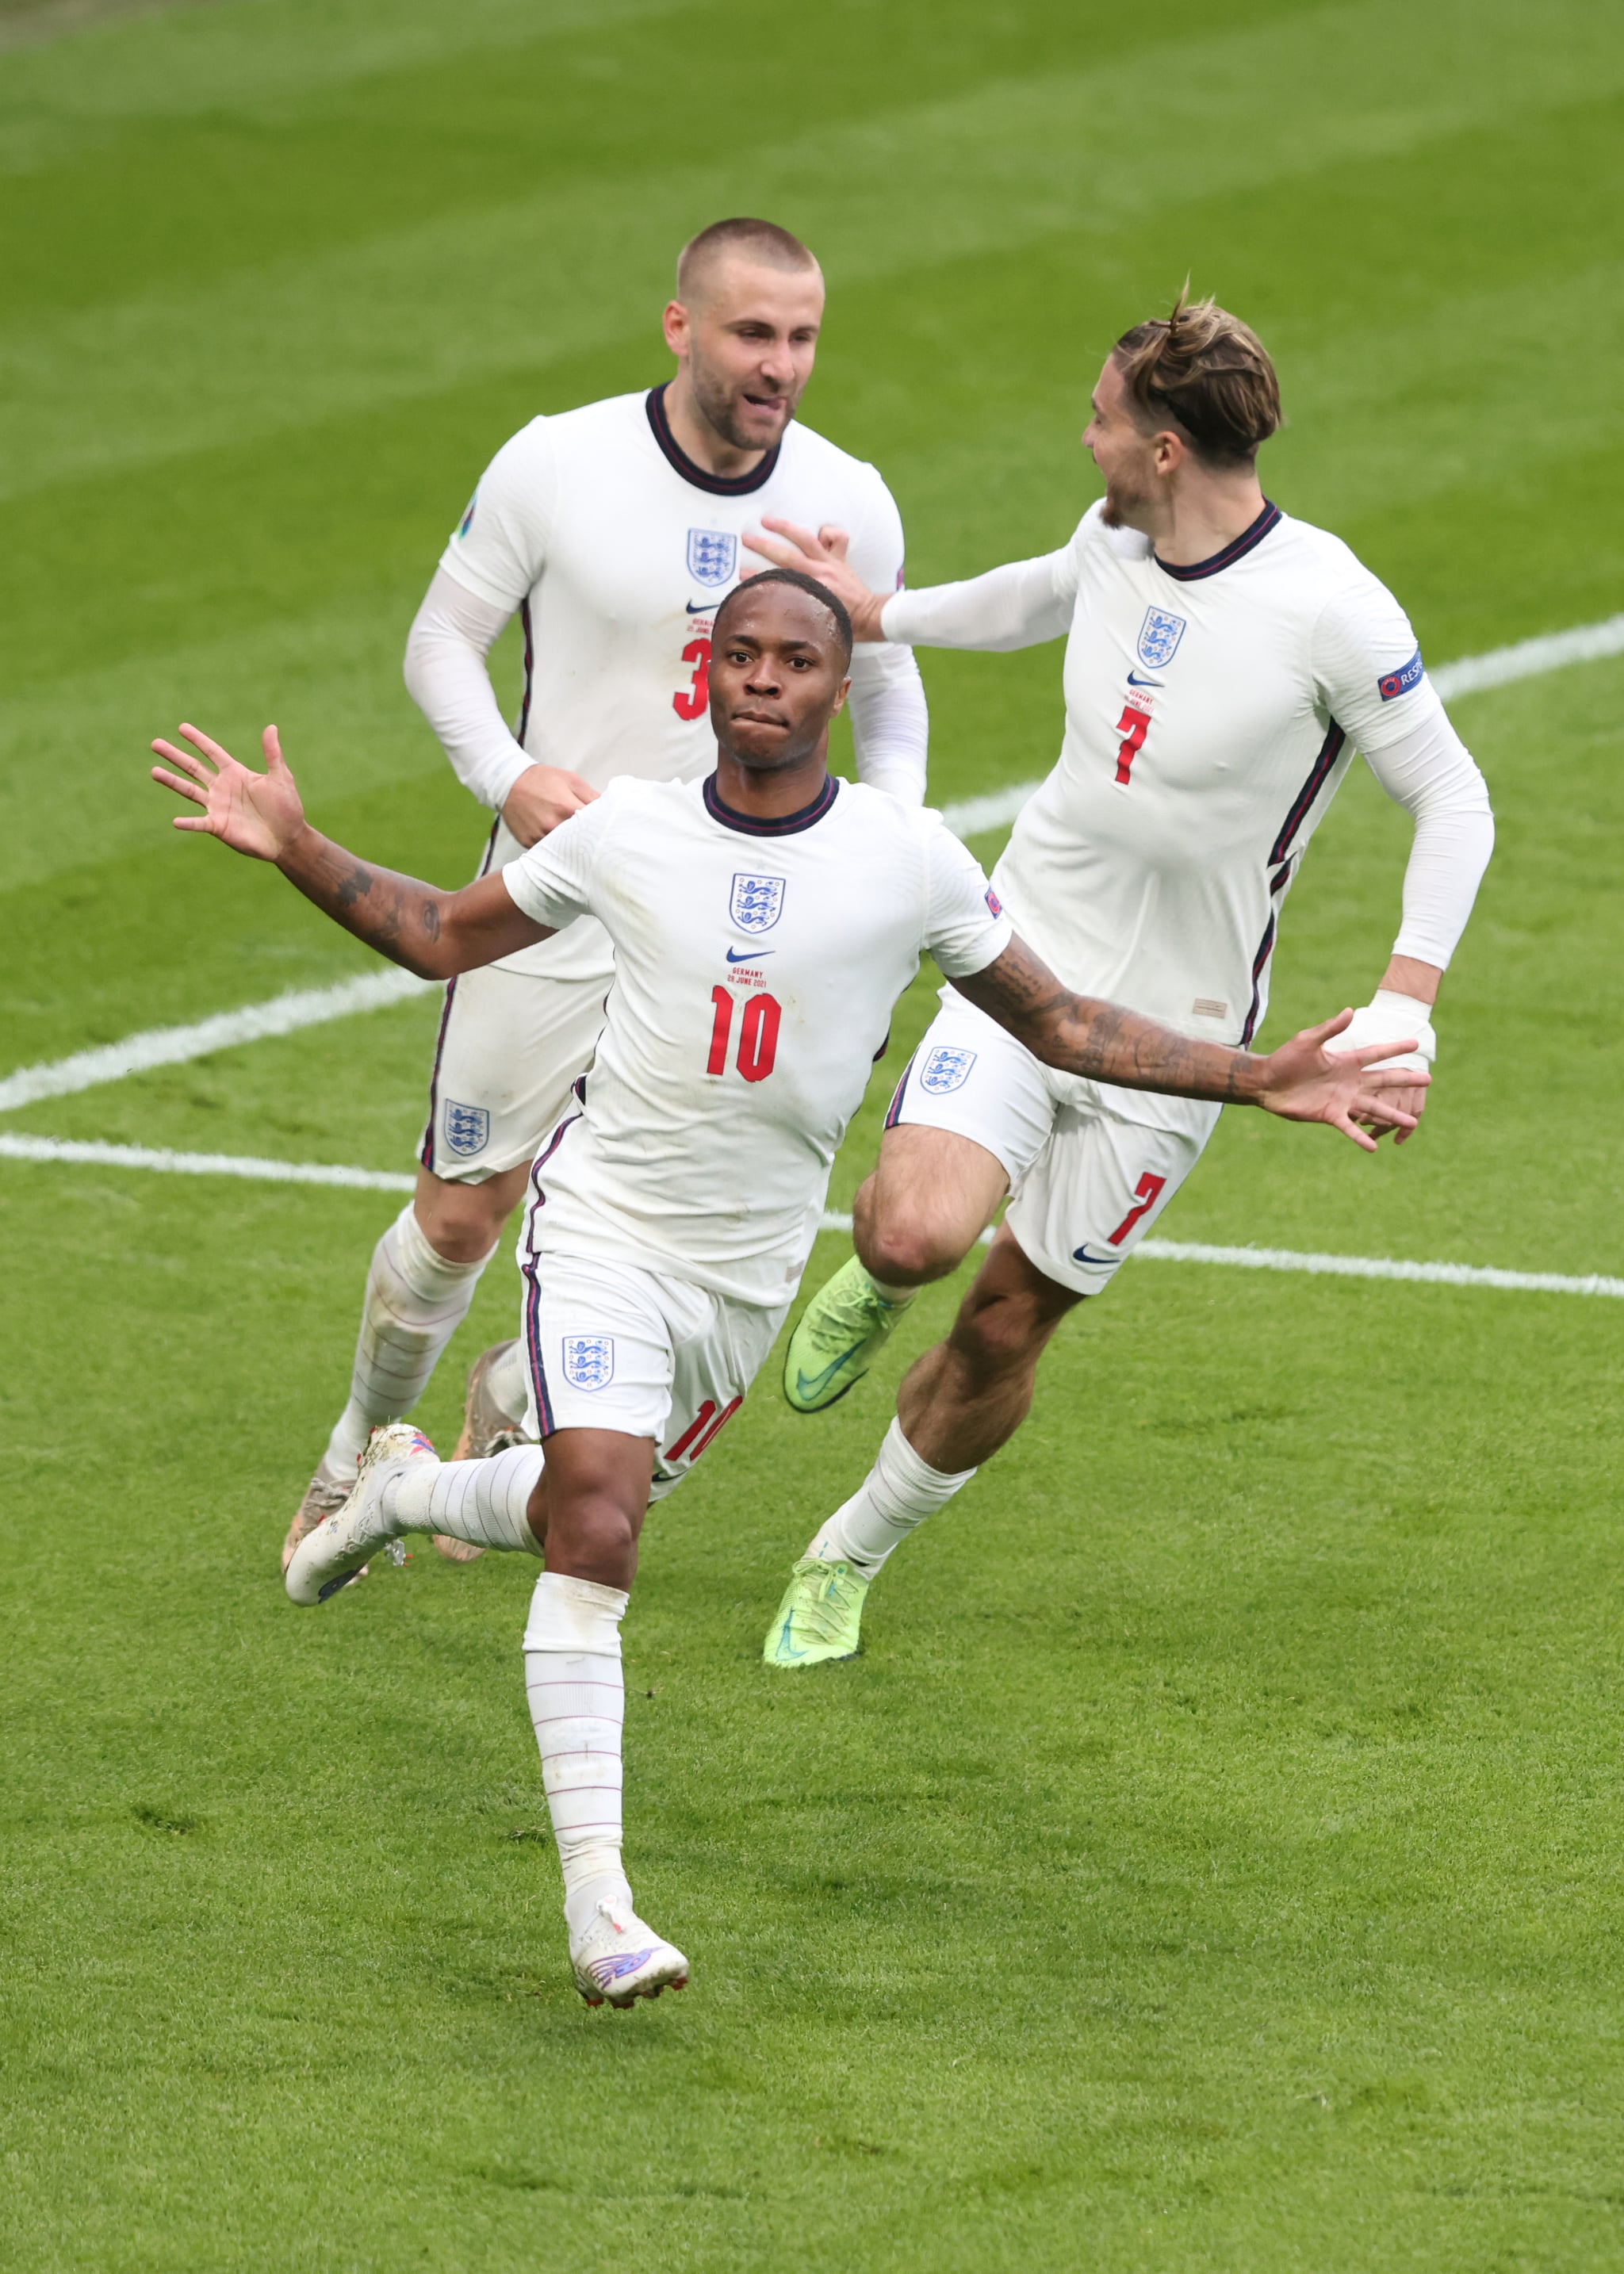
column 1214, row 1863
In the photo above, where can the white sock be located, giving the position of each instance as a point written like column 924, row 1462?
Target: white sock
column 898, row 1297
column 577, row 1703
column 416, row 1300
column 899, row 1492
column 482, row 1501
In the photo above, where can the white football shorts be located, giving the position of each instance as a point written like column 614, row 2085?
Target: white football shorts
column 1090, row 1167
column 610, row 1346
column 510, row 1044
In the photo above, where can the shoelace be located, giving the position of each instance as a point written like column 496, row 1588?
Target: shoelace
column 823, row 1615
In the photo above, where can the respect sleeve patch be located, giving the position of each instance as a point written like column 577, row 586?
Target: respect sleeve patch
column 1401, row 681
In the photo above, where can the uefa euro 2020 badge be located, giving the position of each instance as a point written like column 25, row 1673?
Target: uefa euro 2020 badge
column 589, row 1360
column 1159, row 638
column 757, row 902
column 710, row 556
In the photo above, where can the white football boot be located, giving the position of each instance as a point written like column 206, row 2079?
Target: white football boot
column 622, row 1959
column 335, row 1552
column 320, row 1501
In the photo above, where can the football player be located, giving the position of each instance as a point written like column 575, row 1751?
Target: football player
column 613, row 530
column 1223, row 662
column 764, row 922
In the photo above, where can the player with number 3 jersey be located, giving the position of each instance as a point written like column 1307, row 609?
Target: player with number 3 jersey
column 764, row 923
column 613, row 530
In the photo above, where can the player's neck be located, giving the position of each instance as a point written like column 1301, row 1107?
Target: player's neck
column 770, row 796
column 698, row 439
column 1199, row 518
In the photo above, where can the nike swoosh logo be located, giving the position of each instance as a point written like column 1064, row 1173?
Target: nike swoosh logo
column 785, row 1649
column 805, row 1389
column 1081, row 1255
column 751, row 954
column 1134, row 680
column 702, row 607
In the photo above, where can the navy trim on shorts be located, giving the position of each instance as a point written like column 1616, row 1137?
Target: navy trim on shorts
column 894, row 1111
column 718, row 485
column 789, row 824
column 532, row 1351
column 427, row 1154
column 1237, row 548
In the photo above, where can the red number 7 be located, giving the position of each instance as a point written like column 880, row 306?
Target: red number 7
column 1147, row 1192
column 1133, row 727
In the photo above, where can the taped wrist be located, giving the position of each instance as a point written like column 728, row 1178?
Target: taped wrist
column 1392, row 1017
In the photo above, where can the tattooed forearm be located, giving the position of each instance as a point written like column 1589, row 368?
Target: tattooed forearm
column 434, row 933
column 1100, row 1040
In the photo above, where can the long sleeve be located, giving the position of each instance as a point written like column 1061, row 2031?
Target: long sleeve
column 1017, row 605
column 890, row 722
column 1434, row 777
column 450, row 638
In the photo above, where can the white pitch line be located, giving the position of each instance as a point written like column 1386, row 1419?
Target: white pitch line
column 94, row 1155
column 970, row 817
column 1347, row 1266
column 283, row 1014
column 202, row 1164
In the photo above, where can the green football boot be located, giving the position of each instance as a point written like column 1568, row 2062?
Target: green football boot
column 820, row 1616
column 838, row 1339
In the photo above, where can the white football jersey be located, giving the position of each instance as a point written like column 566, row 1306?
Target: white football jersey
column 1211, row 712
column 756, row 968
column 616, row 550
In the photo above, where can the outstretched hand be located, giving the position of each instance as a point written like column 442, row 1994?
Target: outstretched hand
column 257, row 814
column 823, row 557
column 1304, row 1081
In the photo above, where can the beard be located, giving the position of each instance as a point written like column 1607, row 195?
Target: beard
column 1123, row 500
column 719, row 404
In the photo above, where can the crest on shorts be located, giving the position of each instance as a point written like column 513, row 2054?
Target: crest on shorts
column 710, row 556
column 589, row 1360
column 945, row 1070
column 1158, row 637
column 757, row 903
column 467, row 1128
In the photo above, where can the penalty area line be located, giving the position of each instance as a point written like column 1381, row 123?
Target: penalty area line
column 92, row 1154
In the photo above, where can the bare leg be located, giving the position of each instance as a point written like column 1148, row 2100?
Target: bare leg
column 926, row 1206
column 963, row 1400
column 588, row 1506
column 462, row 1223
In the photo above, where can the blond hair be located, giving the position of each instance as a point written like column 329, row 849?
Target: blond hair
column 1208, row 373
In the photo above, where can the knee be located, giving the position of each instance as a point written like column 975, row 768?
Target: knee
column 905, row 1248
column 589, row 1535
column 461, row 1223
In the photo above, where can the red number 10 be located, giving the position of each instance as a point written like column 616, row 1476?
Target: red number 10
column 757, row 1035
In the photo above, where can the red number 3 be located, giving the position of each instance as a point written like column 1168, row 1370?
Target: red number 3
column 757, row 1035
column 693, row 701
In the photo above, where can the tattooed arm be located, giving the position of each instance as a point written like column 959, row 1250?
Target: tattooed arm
column 434, row 933
column 1079, row 1034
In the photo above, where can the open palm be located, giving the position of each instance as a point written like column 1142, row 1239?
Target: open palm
column 256, row 814
column 1304, row 1081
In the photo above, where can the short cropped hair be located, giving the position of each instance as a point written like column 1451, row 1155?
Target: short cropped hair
column 821, row 593
column 1206, row 372
column 761, row 241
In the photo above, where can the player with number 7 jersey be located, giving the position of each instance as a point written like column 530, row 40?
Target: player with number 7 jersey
column 765, row 922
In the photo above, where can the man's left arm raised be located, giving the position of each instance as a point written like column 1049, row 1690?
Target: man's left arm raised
column 435, row 933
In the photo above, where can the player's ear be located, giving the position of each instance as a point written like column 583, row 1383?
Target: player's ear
column 841, row 693
column 674, row 324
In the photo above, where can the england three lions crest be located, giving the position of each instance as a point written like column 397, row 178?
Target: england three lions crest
column 589, row 1360
column 945, row 1070
column 712, row 553
column 757, row 903
column 1159, row 638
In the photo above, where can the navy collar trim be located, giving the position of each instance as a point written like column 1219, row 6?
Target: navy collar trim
column 1235, row 550
column 740, row 486
column 788, row 825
